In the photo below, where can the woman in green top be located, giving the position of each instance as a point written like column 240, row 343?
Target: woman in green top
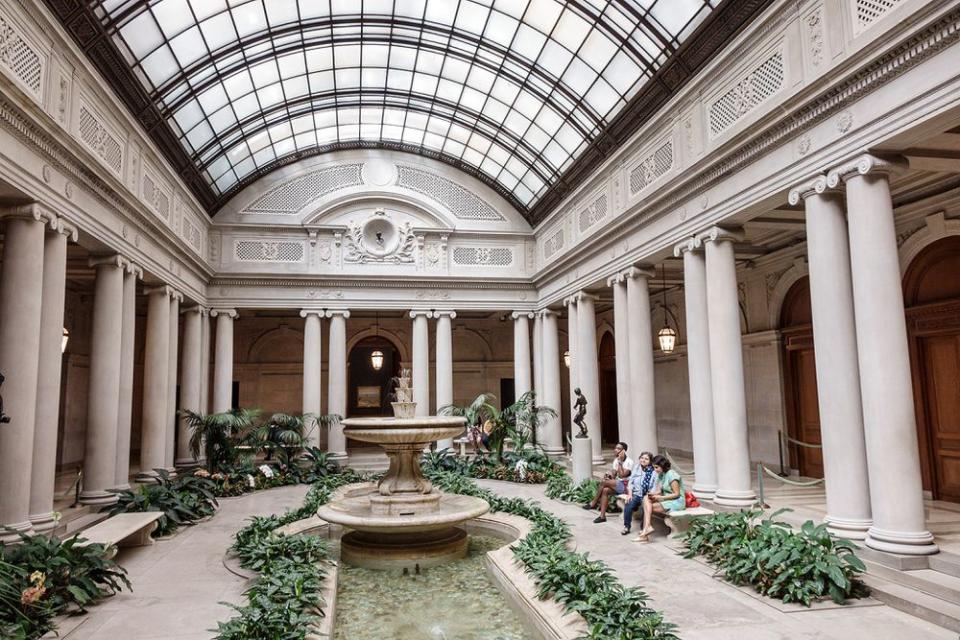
column 670, row 498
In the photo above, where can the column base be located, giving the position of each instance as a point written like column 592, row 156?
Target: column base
column 849, row 528
column 9, row 532
column 122, row 487
column 97, row 497
column 44, row 522
column 907, row 543
column 735, row 497
column 705, row 491
column 186, row 463
column 555, row 453
column 147, row 477
column 598, row 460
column 340, row 457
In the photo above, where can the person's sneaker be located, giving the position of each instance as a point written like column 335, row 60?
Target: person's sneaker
column 588, row 507
column 625, row 532
column 599, row 519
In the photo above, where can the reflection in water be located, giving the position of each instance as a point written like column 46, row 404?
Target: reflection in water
column 454, row 601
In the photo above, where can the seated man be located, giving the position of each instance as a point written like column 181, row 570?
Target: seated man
column 643, row 480
column 613, row 483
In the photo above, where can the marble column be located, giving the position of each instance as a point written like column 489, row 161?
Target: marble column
column 621, row 334
column 223, row 360
column 128, row 330
column 421, row 362
column 172, row 374
column 522, row 379
column 886, row 383
column 312, row 366
column 572, row 338
column 100, row 453
column 444, row 365
column 44, row 469
column 538, row 357
column 190, row 367
column 205, row 361
column 589, row 370
column 838, row 376
column 156, row 361
column 698, row 368
column 337, row 381
column 551, row 431
column 640, row 353
column 726, row 374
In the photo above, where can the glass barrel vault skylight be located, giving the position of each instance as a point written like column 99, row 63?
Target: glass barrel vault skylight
column 514, row 89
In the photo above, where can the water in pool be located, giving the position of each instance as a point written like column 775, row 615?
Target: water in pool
column 454, row 601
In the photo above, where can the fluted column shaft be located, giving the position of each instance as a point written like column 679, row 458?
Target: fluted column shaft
column 128, row 321
column 698, row 368
column 172, row 372
column 444, row 365
column 100, row 456
column 21, row 281
column 337, row 374
column 726, row 360
column 621, row 334
column 156, row 361
column 190, row 362
column 886, row 384
column 223, row 360
column 312, row 366
column 838, row 377
column 589, row 370
column 44, row 467
column 522, row 380
column 421, row 362
column 551, row 431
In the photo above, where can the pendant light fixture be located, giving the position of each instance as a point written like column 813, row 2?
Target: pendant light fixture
column 667, row 335
column 376, row 356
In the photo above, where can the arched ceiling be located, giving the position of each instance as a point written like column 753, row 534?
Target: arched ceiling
column 515, row 92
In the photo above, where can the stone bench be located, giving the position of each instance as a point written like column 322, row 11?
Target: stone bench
column 122, row 530
column 676, row 521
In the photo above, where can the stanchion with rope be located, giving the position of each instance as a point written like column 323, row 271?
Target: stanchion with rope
column 782, row 440
column 674, row 465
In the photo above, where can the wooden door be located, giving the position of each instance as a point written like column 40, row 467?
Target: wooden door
column 609, row 430
column 940, row 369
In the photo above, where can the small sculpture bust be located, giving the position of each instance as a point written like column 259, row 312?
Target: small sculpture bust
column 580, row 406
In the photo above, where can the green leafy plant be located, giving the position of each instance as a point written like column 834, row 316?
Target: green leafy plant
column 794, row 566
column 217, row 435
column 477, row 413
column 183, row 500
column 560, row 487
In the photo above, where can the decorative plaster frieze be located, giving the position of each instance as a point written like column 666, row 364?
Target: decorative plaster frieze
column 863, row 165
column 814, row 29
column 463, row 203
column 379, row 239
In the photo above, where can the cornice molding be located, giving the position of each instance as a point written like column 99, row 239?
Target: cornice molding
column 240, row 281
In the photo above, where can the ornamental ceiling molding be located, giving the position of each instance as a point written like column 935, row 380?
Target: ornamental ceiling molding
column 314, row 283
column 915, row 50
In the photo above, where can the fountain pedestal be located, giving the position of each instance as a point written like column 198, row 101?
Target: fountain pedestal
column 403, row 521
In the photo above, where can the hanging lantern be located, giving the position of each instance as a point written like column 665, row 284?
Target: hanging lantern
column 668, row 339
column 566, row 358
column 64, row 340
column 376, row 359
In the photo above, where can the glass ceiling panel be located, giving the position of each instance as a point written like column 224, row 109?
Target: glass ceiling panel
column 514, row 89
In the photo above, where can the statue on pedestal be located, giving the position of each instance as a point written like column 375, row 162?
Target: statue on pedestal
column 580, row 407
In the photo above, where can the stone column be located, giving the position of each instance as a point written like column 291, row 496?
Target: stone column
column 205, row 361
column 421, row 362
column 726, row 360
column 538, row 357
column 838, row 377
column 698, row 368
column 337, row 374
column 100, row 456
column 156, row 361
column 172, row 371
column 312, row 366
column 621, row 334
column 44, row 468
column 589, row 370
column 127, row 348
column 189, row 381
column 640, row 353
column 573, row 335
column 522, row 380
column 886, row 384
column 551, row 432
column 223, row 360
column 444, row 365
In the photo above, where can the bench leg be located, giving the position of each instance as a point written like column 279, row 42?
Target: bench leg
column 141, row 538
column 677, row 525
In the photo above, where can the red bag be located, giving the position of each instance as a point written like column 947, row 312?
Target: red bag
column 691, row 500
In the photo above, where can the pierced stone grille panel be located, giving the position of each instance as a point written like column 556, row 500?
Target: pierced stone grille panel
column 268, row 251
column 462, row 203
column 594, row 213
column 746, row 95
column 553, row 244
column 290, row 197
column 652, row 167
column 492, row 256
column 96, row 136
column 154, row 196
column 869, row 11
column 20, row 58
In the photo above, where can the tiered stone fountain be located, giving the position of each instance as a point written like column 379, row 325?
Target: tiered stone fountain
column 402, row 521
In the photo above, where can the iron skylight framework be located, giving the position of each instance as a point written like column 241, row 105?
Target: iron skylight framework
column 512, row 91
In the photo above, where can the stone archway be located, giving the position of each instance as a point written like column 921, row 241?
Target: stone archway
column 610, row 426
column 367, row 387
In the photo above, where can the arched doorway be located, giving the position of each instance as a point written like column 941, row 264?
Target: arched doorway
column 931, row 289
column 367, row 387
column 610, row 428
column 800, row 379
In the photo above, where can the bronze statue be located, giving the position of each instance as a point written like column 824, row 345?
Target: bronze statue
column 580, row 406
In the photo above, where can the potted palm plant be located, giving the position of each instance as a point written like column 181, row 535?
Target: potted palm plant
column 479, row 411
column 216, row 435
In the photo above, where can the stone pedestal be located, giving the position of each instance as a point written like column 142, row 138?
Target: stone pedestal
column 582, row 459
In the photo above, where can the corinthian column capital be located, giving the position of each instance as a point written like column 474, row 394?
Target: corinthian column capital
column 864, row 165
